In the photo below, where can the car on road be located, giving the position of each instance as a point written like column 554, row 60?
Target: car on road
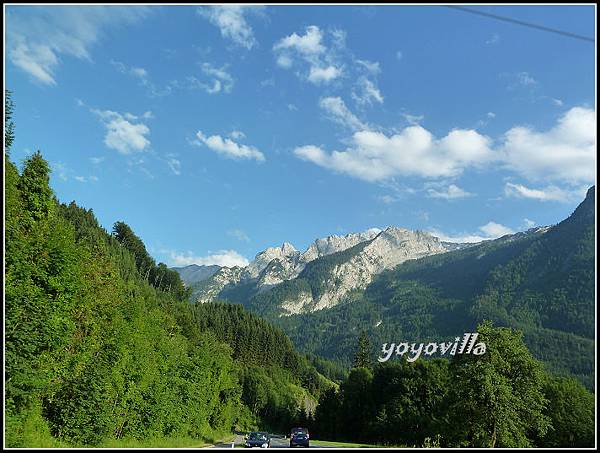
column 298, row 430
column 300, row 439
column 257, row 439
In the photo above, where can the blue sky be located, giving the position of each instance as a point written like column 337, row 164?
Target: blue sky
column 215, row 132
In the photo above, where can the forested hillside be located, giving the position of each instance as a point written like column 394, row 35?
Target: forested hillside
column 503, row 398
column 102, row 346
column 541, row 282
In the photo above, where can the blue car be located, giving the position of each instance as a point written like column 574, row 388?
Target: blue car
column 258, row 440
column 299, row 439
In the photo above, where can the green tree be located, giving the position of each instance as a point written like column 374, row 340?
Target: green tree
column 357, row 409
column 410, row 399
column 34, row 186
column 571, row 411
column 497, row 398
column 127, row 238
column 9, row 125
column 362, row 358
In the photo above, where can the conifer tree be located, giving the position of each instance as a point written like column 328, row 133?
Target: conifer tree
column 362, row 359
column 9, row 125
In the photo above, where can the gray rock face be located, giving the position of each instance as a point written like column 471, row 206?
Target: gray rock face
column 333, row 244
column 389, row 248
column 383, row 250
column 285, row 253
column 195, row 273
column 209, row 289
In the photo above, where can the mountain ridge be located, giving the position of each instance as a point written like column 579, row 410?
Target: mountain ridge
column 277, row 265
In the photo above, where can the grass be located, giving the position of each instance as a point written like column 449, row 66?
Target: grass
column 172, row 442
column 327, row 443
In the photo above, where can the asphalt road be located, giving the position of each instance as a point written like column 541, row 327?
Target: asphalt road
column 276, row 442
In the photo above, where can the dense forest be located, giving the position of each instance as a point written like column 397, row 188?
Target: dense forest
column 102, row 345
column 503, row 398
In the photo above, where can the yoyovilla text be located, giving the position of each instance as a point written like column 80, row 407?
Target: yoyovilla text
column 414, row 350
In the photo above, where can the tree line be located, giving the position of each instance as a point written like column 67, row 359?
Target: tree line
column 503, row 398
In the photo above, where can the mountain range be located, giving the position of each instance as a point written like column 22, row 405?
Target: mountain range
column 366, row 254
column 398, row 284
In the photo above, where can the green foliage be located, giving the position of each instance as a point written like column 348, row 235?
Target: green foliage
column 103, row 347
column 42, row 279
column 328, row 368
column 362, row 358
column 93, row 351
column 498, row 396
column 571, row 412
column 9, row 125
column 279, row 385
column 410, row 400
column 502, row 398
column 161, row 277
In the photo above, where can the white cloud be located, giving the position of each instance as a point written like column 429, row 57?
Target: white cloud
column 226, row 258
column 139, row 73
column 97, row 160
column 231, row 21
column 239, row 235
column 307, row 45
column 174, row 165
column 143, row 78
column 367, row 92
column 566, row 152
column 220, row 80
column 336, row 110
column 520, row 81
column 38, row 37
column 373, row 156
column 494, row 39
column 309, row 48
column 371, row 66
column 550, row 193
column 121, row 134
column 495, row 230
column 270, row 82
column 228, row 147
column 237, row 135
column 399, row 55
column 449, row 193
column 318, row 75
column 61, row 170
column 528, row 223
column 387, row 199
column 525, row 79
column 285, row 61
column 413, row 120
column 490, row 230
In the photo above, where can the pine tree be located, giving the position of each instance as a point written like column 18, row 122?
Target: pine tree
column 9, row 125
column 34, row 185
column 362, row 359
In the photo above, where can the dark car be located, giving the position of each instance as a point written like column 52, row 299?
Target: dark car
column 299, row 439
column 258, row 440
column 299, row 430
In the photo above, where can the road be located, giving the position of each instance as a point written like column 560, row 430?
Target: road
column 276, row 442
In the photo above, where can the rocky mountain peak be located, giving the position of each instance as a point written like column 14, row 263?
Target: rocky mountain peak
column 334, row 243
